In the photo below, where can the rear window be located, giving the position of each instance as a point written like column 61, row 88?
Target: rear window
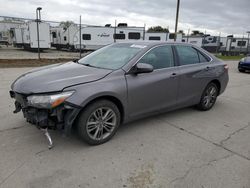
column 187, row 55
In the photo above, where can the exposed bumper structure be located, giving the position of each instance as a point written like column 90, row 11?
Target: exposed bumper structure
column 61, row 117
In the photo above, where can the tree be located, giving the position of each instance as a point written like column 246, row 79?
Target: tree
column 197, row 33
column 182, row 32
column 158, row 29
column 66, row 24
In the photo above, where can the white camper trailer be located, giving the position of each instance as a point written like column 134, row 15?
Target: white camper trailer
column 195, row 40
column 155, row 36
column 26, row 35
column 234, row 46
column 94, row 37
column 5, row 30
column 63, row 38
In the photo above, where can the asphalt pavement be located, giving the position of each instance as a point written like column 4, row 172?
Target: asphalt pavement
column 184, row 148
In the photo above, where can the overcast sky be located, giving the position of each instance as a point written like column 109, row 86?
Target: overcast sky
column 214, row 16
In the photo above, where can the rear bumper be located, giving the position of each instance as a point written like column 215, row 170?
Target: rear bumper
column 61, row 117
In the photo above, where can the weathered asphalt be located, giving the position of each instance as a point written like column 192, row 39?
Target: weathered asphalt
column 184, row 148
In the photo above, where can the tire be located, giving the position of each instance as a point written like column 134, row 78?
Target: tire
column 241, row 70
column 92, row 126
column 208, row 97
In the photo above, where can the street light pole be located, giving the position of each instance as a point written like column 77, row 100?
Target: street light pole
column 248, row 32
column 38, row 19
column 176, row 19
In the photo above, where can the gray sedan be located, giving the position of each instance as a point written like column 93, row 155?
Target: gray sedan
column 117, row 84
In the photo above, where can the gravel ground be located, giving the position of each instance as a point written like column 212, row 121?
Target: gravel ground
column 184, row 148
column 18, row 53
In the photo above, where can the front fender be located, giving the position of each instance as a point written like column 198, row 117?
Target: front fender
column 113, row 85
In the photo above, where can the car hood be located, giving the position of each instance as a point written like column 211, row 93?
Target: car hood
column 56, row 77
column 247, row 60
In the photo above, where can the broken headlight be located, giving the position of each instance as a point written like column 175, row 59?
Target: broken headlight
column 48, row 101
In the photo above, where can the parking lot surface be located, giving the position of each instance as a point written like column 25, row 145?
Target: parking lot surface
column 19, row 53
column 184, row 148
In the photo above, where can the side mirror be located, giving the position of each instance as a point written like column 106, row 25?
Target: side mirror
column 142, row 68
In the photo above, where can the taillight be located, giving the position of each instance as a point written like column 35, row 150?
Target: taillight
column 226, row 67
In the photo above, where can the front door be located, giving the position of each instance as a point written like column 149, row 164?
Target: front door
column 149, row 92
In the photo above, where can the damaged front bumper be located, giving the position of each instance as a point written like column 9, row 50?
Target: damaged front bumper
column 60, row 117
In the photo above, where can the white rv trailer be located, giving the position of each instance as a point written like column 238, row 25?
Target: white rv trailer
column 234, row 46
column 94, row 37
column 26, row 35
column 155, row 36
column 195, row 40
column 5, row 30
column 62, row 38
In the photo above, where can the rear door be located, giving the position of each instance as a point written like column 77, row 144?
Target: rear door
column 194, row 74
column 149, row 92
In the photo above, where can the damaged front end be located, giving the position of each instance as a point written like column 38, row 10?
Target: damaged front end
column 47, row 111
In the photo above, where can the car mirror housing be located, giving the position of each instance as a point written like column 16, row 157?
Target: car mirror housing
column 142, row 68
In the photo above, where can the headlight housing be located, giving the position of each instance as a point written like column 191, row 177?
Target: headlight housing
column 48, row 101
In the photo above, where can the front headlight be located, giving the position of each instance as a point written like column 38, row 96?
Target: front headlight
column 48, row 101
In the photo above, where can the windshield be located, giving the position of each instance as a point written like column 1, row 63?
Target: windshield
column 112, row 57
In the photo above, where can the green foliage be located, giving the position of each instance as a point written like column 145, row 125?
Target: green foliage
column 181, row 31
column 66, row 24
column 197, row 33
column 229, row 57
column 158, row 29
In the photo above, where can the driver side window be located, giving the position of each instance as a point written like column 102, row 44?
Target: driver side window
column 159, row 57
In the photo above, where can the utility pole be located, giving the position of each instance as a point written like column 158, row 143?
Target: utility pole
column 38, row 19
column 80, row 39
column 144, row 30
column 115, row 32
column 188, row 34
column 241, row 42
column 176, row 19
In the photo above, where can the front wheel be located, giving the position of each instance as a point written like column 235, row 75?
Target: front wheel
column 241, row 70
column 98, row 122
column 208, row 97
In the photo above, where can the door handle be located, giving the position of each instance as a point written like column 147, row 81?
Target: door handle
column 173, row 75
column 207, row 68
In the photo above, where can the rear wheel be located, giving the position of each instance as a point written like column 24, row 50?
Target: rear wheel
column 208, row 97
column 98, row 122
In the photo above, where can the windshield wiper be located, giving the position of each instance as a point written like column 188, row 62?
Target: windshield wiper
column 76, row 61
column 88, row 65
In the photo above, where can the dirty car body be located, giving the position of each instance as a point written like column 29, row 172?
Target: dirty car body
column 130, row 75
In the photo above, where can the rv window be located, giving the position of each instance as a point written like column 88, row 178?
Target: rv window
column 234, row 40
column 241, row 43
column 154, row 38
column 171, row 36
column 86, row 36
column 64, row 38
column 54, row 34
column 119, row 36
column 134, row 35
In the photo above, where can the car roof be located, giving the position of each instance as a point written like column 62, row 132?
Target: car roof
column 155, row 43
